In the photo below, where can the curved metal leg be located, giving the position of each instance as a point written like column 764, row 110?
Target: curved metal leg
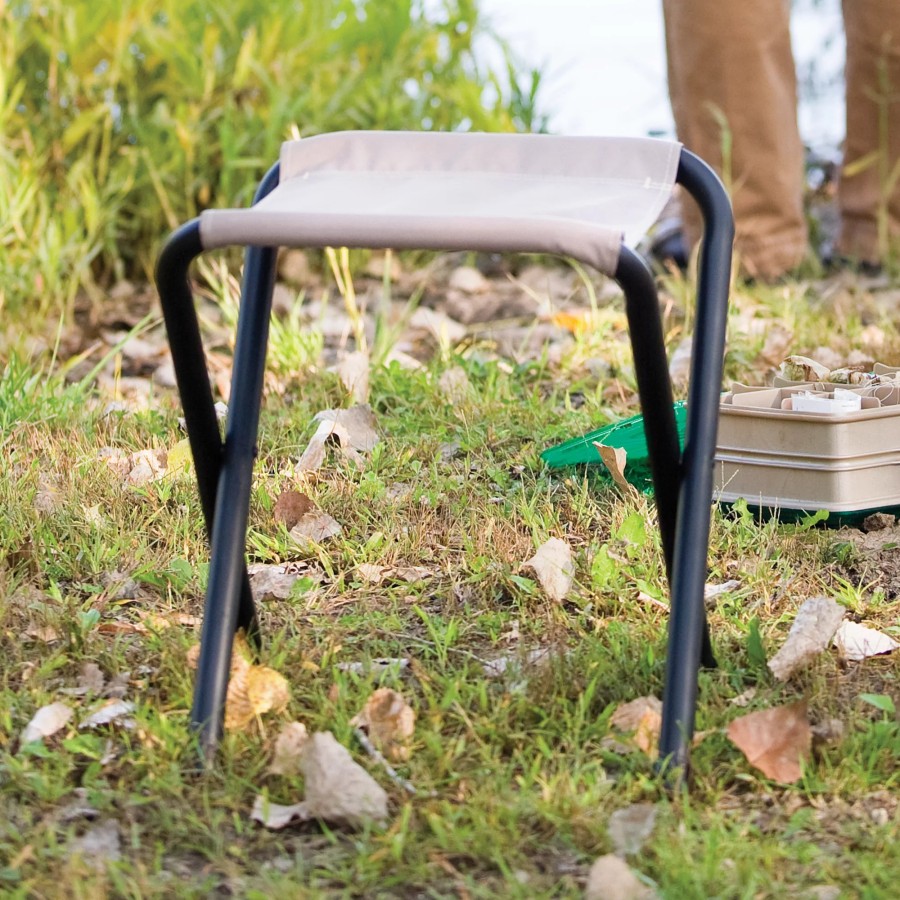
column 224, row 470
column 688, row 634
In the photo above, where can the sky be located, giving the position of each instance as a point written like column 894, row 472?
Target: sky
column 605, row 69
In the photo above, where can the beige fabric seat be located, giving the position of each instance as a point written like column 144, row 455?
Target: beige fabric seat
column 574, row 196
column 582, row 197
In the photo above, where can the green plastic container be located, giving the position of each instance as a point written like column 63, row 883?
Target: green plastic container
column 627, row 434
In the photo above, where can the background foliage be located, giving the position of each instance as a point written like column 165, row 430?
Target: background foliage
column 119, row 120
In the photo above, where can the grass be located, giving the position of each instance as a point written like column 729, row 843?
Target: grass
column 121, row 120
column 515, row 780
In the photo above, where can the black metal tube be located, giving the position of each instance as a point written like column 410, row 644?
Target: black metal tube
column 655, row 390
column 688, row 616
column 227, row 568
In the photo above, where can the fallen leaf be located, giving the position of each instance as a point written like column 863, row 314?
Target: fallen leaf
column 615, row 459
column 46, row 722
column 272, row 582
column 443, row 329
column 537, row 656
column 743, row 699
column 290, row 507
column 642, row 720
column 353, row 429
column 856, row 642
column 115, row 711
column 802, row 368
column 376, row 666
column 353, row 370
column 267, row 690
column 713, row 591
column 576, row 321
column 389, row 722
column 378, row 574
column 611, row 878
column 252, row 690
column 816, row 622
column 775, row 741
column 90, row 681
column 122, row 626
column 160, row 622
column 315, row 526
column 554, row 568
column 338, row 790
column 288, row 749
column 276, row 816
column 43, row 633
column 146, row 466
column 630, row 827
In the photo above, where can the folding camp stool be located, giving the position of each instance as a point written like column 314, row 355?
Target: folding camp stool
column 582, row 197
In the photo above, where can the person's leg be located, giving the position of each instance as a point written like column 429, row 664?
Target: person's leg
column 870, row 210
column 733, row 89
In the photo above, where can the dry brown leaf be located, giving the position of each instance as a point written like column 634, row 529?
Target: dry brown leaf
column 288, row 749
column 775, row 741
column 615, row 459
column 611, row 878
column 353, row 429
column 554, row 568
column 43, row 633
column 290, row 507
column 856, row 642
column 46, row 722
column 817, row 620
column 252, row 690
column 271, row 582
column 90, row 681
column 160, row 622
column 315, row 526
column 389, row 721
column 114, row 710
column 122, row 626
column 374, row 574
column 338, row 790
column 267, row 690
column 642, row 720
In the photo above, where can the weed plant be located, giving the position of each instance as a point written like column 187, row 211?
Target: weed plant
column 516, row 779
column 120, row 120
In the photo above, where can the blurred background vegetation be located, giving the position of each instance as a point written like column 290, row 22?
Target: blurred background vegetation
column 121, row 119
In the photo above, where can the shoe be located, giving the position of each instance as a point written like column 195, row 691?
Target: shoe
column 667, row 245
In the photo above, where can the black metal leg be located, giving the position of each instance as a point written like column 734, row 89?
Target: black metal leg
column 688, row 633
column 232, row 510
column 655, row 391
column 223, row 470
column 228, row 594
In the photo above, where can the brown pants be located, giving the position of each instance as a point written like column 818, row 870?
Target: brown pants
column 733, row 88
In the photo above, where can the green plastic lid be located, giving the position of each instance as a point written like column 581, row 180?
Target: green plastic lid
column 627, row 434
